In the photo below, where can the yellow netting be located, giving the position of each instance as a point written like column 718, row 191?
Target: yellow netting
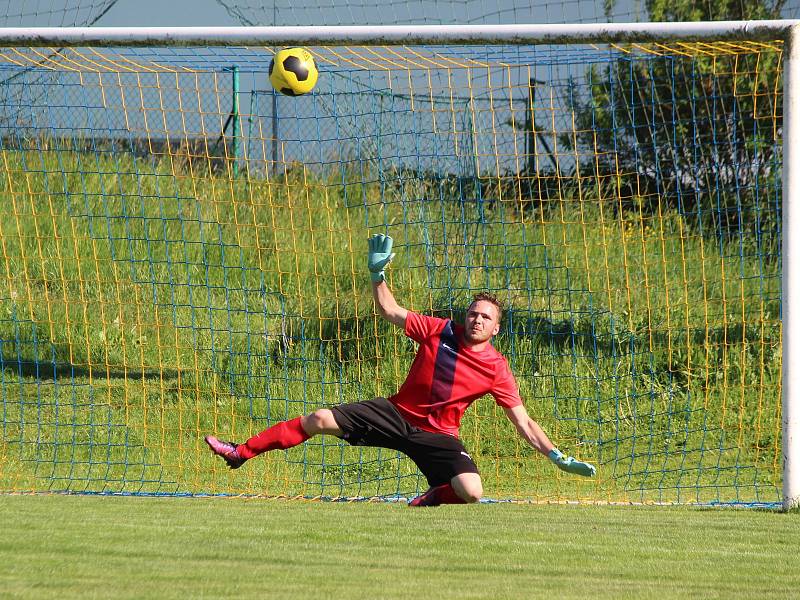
column 180, row 255
column 368, row 58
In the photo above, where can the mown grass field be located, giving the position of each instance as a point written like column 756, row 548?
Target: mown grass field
column 145, row 305
column 147, row 300
column 122, row 547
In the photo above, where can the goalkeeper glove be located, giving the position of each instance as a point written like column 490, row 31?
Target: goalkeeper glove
column 380, row 255
column 570, row 465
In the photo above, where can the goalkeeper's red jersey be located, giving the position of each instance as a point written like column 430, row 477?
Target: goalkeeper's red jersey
column 446, row 376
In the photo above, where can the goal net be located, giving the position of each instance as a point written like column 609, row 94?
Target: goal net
column 182, row 253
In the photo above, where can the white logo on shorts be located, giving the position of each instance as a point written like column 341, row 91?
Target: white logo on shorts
column 467, row 455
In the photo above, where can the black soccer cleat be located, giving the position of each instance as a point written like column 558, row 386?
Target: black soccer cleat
column 225, row 450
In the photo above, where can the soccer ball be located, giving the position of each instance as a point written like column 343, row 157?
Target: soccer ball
column 293, row 72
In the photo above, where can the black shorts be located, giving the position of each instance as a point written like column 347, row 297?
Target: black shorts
column 377, row 423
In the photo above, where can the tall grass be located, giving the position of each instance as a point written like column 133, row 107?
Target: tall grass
column 146, row 304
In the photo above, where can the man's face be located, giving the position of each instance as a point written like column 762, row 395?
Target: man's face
column 481, row 322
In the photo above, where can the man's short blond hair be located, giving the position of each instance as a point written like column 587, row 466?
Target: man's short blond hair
column 491, row 299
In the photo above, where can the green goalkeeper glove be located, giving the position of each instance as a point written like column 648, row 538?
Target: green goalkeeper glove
column 570, row 465
column 380, row 255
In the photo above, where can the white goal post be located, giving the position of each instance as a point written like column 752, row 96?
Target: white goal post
column 391, row 35
column 786, row 30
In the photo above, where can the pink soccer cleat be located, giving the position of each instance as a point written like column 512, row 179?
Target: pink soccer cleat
column 225, row 450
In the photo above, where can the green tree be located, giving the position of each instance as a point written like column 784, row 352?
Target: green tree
column 713, row 10
column 692, row 130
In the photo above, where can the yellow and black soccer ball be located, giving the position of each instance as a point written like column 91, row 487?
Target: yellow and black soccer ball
column 293, row 72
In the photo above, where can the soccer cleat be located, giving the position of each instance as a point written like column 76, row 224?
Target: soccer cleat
column 225, row 450
column 429, row 498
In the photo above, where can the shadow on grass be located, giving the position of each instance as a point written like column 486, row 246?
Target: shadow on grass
column 45, row 370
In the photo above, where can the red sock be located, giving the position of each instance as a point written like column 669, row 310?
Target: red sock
column 445, row 494
column 278, row 437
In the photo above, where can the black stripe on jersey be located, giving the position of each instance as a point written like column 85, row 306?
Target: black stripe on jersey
column 444, row 369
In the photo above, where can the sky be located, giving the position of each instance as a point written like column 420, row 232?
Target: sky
column 154, row 13
column 287, row 12
column 327, row 12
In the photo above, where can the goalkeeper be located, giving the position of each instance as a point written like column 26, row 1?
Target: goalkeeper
column 454, row 366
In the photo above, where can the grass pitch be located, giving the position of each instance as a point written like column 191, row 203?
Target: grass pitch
column 127, row 547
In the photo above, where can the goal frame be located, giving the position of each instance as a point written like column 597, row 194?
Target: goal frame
column 787, row 31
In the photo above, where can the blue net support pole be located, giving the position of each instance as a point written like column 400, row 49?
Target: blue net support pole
column 237, row 146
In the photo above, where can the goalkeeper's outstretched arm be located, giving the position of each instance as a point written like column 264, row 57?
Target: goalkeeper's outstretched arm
column 532, row 433
column 387, row 306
